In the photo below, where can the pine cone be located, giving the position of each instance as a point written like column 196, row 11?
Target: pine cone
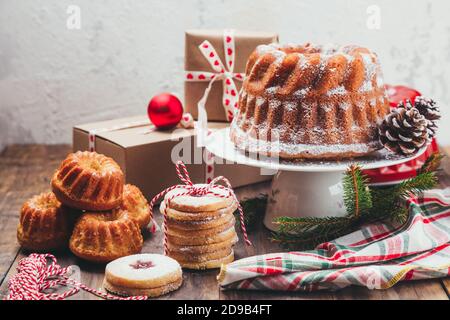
column 403, row 131
column 428, row 108
column 405, row 104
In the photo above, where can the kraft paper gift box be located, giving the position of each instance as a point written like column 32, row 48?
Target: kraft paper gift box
column 245, row 43
column 145, row 155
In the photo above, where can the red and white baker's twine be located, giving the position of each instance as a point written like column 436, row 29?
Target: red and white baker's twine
column 222, row 72
column 35, row 275
column 194, row 190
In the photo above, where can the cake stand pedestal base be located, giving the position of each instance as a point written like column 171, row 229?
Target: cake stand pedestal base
column 304, row 194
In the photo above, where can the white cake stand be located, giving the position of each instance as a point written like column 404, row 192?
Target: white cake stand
column 307, row 188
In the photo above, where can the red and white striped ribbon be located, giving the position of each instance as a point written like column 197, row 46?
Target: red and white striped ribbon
column 195, row 190
column 209, row 164
column 222, row 72
column 34, row 276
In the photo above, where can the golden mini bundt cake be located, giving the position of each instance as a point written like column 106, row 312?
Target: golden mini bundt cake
column 45, row 224
column 135, row 205
column 89, row 181
column 105, row 236
column 310, row 101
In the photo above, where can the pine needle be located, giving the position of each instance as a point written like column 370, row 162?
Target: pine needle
column 432, row 163
column 416, row 185
column 357, row 197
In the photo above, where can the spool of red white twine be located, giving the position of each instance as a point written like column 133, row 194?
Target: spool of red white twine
column 195, row 190
column 35, row 275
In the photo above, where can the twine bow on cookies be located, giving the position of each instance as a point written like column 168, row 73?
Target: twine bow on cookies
column 190, row 189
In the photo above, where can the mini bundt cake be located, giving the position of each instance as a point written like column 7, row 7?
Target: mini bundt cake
column 105, row 236
column 89, row 181
column 45, row 224
column 310, row 101
column 135, row 206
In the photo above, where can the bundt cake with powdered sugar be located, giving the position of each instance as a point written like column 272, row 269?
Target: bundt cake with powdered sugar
column 309, row 101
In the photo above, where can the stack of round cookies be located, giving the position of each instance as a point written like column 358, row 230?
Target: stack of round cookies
column 200, row 231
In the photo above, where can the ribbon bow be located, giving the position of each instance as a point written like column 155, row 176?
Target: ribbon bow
column 191, row 189
column 222, row 72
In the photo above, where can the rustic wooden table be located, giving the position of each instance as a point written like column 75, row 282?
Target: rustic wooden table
column 25, row 171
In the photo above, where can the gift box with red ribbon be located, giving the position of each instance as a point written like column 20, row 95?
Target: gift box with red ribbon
column 215, row 63
column 398, row 173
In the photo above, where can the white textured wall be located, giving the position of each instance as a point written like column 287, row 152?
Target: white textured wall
column 126, row 51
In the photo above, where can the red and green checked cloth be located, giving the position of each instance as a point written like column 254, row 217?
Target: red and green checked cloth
column 377, row 256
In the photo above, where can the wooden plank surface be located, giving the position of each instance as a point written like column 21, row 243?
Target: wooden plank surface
column 444, row 179
column 26, row 170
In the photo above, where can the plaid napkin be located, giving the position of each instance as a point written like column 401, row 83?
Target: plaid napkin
column 377, row 256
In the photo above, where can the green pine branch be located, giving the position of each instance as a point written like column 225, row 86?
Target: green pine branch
column 307, row 231
column 363, row 205
column 357, row 197
column 432, row 163
column 306, row 224
column 416, row 185
column 389, row 201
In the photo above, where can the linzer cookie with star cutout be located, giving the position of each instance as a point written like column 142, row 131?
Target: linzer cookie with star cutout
column 151, row 275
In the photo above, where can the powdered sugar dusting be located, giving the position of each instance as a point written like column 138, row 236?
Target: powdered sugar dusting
column 264, row 48
column 337, row 91
column 326, row 107
column 274, row 103
column 344, row 105
column 260, row 101
column 163, row 266
column 276, row 147
column 369, row 71
column 302, row 61
column 301, row 93
column 290, row 105
column 272, row 90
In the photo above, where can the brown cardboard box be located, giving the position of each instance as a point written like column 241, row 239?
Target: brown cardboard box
column 145, row 157
column 245, row 43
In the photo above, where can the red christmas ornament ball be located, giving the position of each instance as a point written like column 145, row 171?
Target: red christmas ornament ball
column 165, row 110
